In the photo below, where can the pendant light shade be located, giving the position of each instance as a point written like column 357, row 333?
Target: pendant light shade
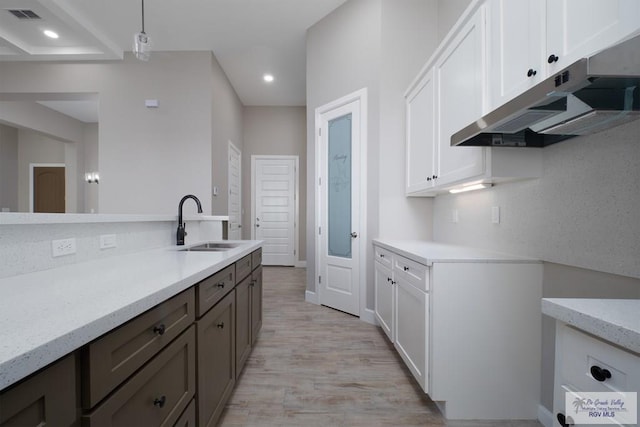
column 142, row 42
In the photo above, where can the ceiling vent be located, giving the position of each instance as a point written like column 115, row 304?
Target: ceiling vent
column 24, row 14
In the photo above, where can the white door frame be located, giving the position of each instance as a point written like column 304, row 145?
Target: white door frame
column 233, row 147
column 359, row 96
column 296, row 196
column 45, row 165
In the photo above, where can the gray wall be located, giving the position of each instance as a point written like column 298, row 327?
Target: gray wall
column 275, row 131
column 343, row 56
column 149, row 158
column 379, row 45
column 8, row 168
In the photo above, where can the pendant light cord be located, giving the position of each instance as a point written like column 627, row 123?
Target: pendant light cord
column 143, row 17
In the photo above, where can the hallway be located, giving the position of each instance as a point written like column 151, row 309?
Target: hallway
column 314, row 366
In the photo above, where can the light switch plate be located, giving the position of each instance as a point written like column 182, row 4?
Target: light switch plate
column 495, row 214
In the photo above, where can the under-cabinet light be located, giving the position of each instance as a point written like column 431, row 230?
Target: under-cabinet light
column 469, row 188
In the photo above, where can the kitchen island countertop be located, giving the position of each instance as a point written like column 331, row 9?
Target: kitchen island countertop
column 48, row 314
column 614, row 320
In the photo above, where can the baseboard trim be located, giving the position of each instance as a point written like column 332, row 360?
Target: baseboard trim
column 311, row 297
column 301, row 264
column 545, row 416
column 369, row 316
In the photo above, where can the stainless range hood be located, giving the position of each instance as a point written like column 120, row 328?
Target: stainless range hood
column 590, row 95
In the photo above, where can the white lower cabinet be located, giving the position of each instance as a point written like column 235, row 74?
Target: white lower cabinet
column 467, row 327
column 584, row 363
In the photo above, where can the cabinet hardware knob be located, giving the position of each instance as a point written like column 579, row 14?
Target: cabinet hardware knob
column 564, row 421
column 552, row 58
column 531, row 72
column 393, row 282
column 257, row 225
column 381, row 255
column 159, row 329
column 159, row 402
column 253, row 283
column 388, row 279
column 600, row 374
column 220, row 285
column 435, row 176
column 428, row 178
column 405, row 268
column 220, row 325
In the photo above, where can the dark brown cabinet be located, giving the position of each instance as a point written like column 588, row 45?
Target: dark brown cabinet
column 216, row 360
column 45, row 399
column 243, row 323
column 156, row 395
column 256, row 302
column 111, row 359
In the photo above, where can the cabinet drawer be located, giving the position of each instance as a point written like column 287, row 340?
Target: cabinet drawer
column 38, row 401
column 157, row 395
column 111, row 359
column 581, row 354
column 188, row 417
column 243, row 268
column 413, row 272
column 383, row 256
column 213, row 288
column 256, row 258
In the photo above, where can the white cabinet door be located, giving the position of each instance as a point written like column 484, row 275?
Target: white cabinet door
column 578, row 28
column 517, row 48
column 412, row 327
column 460, row 80
column 384, row 299
column 421, row 135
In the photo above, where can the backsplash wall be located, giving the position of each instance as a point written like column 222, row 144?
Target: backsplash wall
column 582, row 212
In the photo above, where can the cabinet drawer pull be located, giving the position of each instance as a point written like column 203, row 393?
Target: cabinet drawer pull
column 405, row 268
column 564, row 421
column 221, row 325
column 381, row 255
column 220, row 285
column 253, row 283
column 160, row 329
column 531, row 72
column 393, row 282
column 552, row 58
column 600, row 374
column 388, row 279
column 159, row 402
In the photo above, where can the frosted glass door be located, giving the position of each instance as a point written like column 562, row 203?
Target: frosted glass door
column 339, row 187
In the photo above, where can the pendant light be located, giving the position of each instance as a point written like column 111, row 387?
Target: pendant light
column 142, row 42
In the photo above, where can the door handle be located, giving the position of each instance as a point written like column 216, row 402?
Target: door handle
column 354, row 234
column 257, row 225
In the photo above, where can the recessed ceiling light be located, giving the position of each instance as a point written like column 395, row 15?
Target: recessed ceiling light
column 268, row 78
column 50, row 34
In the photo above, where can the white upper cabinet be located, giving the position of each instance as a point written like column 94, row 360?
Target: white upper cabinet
column 460, row 96
column 516, row 47
column 422, row 151
column 578, row 28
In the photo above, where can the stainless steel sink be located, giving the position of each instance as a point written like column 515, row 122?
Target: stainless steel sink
column 212, row 247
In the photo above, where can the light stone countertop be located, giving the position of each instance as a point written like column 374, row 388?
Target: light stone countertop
column 614, row 320
column 426, row 252
column 48, row 314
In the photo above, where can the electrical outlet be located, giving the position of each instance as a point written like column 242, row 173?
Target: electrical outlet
column 495, row 214
column 108, row 241
column 63, row 247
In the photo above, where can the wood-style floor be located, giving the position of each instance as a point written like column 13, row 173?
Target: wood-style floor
column 314, row 366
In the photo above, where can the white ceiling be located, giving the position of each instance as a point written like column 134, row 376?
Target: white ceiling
column 248, row 37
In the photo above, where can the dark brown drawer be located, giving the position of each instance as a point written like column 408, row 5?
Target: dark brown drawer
column 243, row 268
column 157, row 395
column 188, row 417
column 47, row 398
column 214, row 288
column 256, row 258
column 111, row 359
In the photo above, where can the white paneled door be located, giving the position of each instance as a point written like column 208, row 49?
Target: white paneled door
column 235, row 184
column 274, row 207
column 340, row 128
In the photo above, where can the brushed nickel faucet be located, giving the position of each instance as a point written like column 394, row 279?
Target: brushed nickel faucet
column 181, row 231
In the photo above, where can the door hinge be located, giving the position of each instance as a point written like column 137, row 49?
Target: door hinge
column 294, row 251
column 319, row 279
column 319, row 131
column 319, row 230
column 320, row 181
